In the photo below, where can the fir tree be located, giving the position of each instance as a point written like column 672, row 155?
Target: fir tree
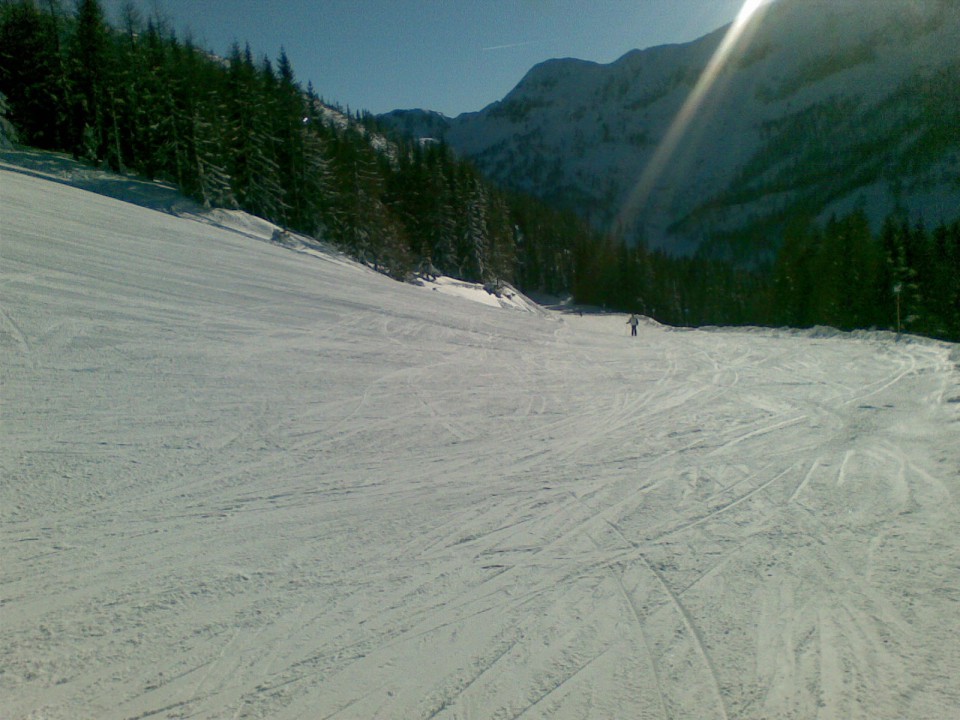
column 31, row 74
column 90, row 75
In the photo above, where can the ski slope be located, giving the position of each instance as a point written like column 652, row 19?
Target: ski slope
column 244, row 482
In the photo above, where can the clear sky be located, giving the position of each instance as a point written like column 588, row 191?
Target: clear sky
column 453, row 56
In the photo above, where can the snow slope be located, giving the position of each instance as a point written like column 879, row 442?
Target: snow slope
column 242, row 482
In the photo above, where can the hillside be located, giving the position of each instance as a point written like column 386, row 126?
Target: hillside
column 821, row 108
column 238, row 481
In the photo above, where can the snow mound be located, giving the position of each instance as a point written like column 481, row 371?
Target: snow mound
column 502, row 295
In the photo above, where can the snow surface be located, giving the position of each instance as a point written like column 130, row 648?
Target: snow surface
column 245, row 482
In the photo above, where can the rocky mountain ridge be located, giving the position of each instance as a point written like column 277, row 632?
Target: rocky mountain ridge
column 821, row 107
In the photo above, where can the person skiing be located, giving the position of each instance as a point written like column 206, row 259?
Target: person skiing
column 633, row 322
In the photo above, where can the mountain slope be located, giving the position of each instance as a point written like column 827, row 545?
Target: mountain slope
column 823, row 106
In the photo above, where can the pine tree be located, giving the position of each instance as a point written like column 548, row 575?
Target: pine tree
column 793, row 276
column 896, row 287
column 155, row 116
column 359, row 218
column 31, row 73
column 439, row 226
column 501, row 232
column 944, row 283
column 316, row 186
column 473, row 249
column 252, row 145
column 90, row 76
column 289, row 118
column 128, row 58
column 201, row 104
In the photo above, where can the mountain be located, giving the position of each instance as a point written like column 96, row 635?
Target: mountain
column 821, row 107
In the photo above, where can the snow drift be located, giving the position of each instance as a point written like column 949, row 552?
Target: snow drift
column 244, row 482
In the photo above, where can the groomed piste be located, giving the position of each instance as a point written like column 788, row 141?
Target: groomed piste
column 240, row 481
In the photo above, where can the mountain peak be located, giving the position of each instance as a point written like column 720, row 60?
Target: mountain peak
column 824, row 105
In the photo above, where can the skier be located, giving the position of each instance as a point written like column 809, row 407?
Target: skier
column 633, row 322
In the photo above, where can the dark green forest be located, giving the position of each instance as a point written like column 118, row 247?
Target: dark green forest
column 242, row 132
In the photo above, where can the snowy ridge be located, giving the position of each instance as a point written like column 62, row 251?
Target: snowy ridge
column 242, row 482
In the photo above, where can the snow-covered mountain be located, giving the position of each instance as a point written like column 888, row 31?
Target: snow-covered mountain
column 822, row 106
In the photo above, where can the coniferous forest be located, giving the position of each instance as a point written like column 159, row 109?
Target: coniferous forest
column 242, row 132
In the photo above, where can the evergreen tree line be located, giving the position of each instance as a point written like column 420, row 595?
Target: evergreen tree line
column 905, row 277
column 243, row 133
column 839, row 274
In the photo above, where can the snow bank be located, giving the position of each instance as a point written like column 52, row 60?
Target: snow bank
column 502, row 296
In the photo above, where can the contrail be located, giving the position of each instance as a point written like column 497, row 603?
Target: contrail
column 511, row 45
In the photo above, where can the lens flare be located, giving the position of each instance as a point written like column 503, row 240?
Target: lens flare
column 749, row 8
column 742, row 29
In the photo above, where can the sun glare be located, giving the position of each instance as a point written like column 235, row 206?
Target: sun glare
column 737, row 36
column 749, row 8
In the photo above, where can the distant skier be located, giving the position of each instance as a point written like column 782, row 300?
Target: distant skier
column 633, row 322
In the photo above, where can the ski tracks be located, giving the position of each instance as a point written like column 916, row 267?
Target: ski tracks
column 304, row 505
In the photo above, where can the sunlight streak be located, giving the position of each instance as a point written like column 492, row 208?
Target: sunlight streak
column 742, row 29
column 748, row 9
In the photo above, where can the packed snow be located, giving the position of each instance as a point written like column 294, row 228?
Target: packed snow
column 240, row 481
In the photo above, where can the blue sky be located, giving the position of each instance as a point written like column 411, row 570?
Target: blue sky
column 453, row 56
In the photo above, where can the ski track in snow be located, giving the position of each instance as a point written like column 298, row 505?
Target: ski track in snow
column 241, row 482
